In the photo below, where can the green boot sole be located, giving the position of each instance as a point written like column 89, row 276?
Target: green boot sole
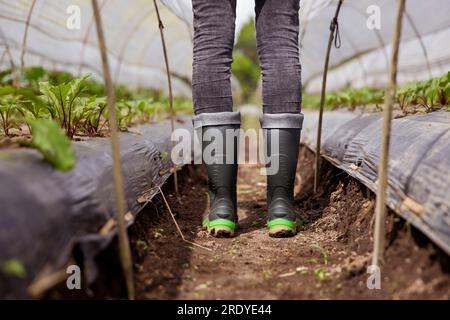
column 219, row 228
column 284, row 228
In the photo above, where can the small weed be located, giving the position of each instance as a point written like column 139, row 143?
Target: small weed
column 323, row 252
column 142, row 244
column 232, row 251
column 14, row 267
column 203, row 286
column 266, row 274
column 157, row 233
column 163, row 155
column 321, row 274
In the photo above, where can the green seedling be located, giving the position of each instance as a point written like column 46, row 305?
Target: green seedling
column 163, row 155
column 93, row 110
column 7, row 119
column 323, row 252
column 203, row 286
column 14, row 267
column 266, row 274
column 142, row 244
column 65, row 103
column 321, row 274
column 157, row 233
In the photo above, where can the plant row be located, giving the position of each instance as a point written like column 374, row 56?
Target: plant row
column 428, row 95
column 74, row 105
column 47, row 109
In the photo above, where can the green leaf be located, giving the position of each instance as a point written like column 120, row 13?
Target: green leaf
column 163, row 155
column 34, row 74
column 7, row 90
column 247, row 72
column 6, row 76
column 65, row 103
column 14, row 268
column 76, row 86
column 50, row 140
column 45, row 88
column 447, row 91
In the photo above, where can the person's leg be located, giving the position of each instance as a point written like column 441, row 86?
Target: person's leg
column 214, row 25
column 277, row 27
column 277, row 31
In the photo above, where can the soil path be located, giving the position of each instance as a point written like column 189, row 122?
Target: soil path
column 327, row 260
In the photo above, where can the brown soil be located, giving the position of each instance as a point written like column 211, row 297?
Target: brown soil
column 327, row 260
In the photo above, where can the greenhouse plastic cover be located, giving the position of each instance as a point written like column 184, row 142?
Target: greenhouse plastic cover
column 136, row 57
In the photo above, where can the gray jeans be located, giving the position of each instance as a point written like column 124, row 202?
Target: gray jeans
column 277, row 28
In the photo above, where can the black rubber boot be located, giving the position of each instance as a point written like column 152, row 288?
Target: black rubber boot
column 222, row 167
column 282, row 137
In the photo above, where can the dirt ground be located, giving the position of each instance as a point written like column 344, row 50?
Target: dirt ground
column 327, row 260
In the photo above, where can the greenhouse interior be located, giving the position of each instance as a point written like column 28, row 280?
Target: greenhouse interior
column 96, row 204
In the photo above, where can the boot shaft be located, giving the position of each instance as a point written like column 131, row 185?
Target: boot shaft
column 287, row 144
column 282, row 141
column 219, row 136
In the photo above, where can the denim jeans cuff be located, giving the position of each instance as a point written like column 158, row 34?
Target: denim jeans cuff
column 216, row 119
column 281, row 120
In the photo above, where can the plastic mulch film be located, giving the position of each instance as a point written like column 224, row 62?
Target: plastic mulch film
column 56, row 41
column 53, row 212
column 419, row 162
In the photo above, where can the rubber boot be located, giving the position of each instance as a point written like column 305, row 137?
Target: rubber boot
column 282, row 142
column 221, row 165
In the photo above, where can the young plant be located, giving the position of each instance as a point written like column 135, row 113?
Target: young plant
column 93, row 111
column 144, row 110
column 321, row 274
column 443, row 88
column 312, row 101
column 7, row 119
column 9, row 108
column 33, row 76
column 6, row 77
column 64, row 103
column 24, row 95
column 14, row 268
column 59, row 77
column 21, row 104
column 404, row 97
column 322, row 251
column 125, row 114
column 425, row 94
